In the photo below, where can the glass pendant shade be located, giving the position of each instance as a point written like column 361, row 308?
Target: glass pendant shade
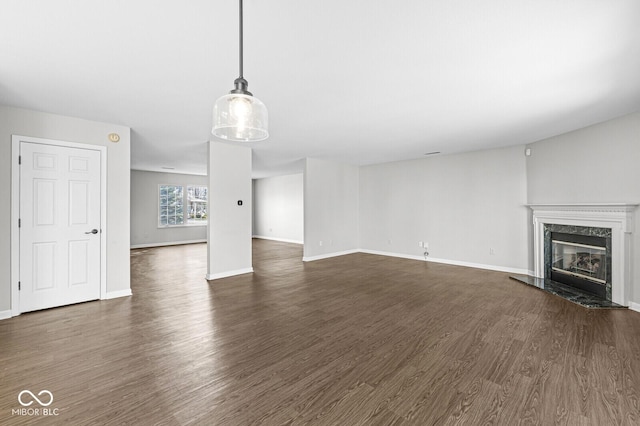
column 240, row 117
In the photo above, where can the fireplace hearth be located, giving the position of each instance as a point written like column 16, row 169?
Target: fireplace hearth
column 572, row 294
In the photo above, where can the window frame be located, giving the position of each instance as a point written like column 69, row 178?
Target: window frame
column 159, row 195
column 185, row 205
column 186, row 195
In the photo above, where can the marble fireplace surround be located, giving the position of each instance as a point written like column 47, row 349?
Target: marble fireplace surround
column 619, row 217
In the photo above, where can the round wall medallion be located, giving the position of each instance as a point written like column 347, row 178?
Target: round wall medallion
column 114, row 137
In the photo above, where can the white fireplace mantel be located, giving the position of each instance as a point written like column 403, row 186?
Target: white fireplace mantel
column 619, row 217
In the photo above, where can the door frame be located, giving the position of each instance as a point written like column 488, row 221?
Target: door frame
column 15, row 211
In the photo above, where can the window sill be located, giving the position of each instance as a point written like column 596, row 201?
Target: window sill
column 191, row 225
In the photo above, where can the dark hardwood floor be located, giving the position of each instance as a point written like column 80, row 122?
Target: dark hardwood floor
column 353, row 340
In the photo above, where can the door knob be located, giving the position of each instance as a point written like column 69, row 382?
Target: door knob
column 93, row 231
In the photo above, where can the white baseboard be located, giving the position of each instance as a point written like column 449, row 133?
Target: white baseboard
column 450, row 262
column 328, row 255
column 227, row 274
column 634, row 306
column 282, row 240
column 5, row 315
column 481, row 266
column 171, row 243
column 117, row 294
column 390, row 254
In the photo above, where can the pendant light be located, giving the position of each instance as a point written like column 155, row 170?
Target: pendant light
column 239, row 116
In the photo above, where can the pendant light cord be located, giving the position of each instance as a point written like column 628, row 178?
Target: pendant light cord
column 241, row 48
column 241, row 84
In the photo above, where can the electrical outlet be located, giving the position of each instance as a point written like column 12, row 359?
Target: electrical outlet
column 320, row 243
column 420, row 244
column 426, row 246
column 492, row 252
column 388, row 241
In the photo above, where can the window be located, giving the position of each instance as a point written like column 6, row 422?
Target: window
column 172, row 201
column 197, row 197
column 171, row 212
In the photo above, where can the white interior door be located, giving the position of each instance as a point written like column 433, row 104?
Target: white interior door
column 59, row 225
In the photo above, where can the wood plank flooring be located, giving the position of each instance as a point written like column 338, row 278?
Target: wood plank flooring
column 354, row 340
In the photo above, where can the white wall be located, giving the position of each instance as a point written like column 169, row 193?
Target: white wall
column 229, row 230
column 463, row 205
column 14, row 121
column 278, row 208
column 330, row 208
column 597, row 164
column 144, row 210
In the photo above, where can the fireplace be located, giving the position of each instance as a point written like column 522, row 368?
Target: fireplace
column 580, row 260
column 586, row 246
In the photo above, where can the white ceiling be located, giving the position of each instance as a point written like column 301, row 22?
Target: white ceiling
column 354, row 81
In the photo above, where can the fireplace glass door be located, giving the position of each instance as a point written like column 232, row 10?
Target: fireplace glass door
column 579, row 260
